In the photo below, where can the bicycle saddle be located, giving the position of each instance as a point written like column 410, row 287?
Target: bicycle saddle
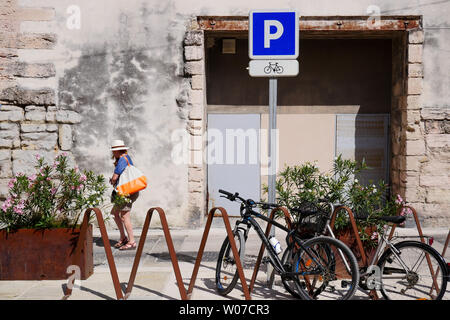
column 393, row 219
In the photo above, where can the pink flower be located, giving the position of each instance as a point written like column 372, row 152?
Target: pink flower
column 37, row 156
column 72, row 187
column 21, row 204
column 18, row 210
column 7, row 204
column 32, row 178
column 83, row 178
column 53, row 191
column 399, row 199
column 19, row 207
column 374, row 236
column 406, row 211
column 55, row 164
column 64, row 154
column 12, row 182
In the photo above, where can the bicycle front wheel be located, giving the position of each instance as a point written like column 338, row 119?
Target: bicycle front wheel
column 412, row 271
column 226, row 271
column 324, row 269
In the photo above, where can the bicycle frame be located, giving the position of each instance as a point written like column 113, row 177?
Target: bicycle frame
column 275, row 260
column 384, row 243
column 247, row 218
column 382, row 246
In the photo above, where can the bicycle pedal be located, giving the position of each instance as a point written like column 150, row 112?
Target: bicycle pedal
column 265, row 260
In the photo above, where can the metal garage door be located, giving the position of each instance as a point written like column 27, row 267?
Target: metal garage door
column 233, row 158
column 365, row 136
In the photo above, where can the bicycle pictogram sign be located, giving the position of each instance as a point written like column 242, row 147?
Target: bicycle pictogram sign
column 273, row 67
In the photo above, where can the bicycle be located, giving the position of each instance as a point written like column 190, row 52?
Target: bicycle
column 273, row 67
column 401, row 270
column 319, row 268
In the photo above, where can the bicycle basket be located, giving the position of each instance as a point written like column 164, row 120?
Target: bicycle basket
column 311, row 220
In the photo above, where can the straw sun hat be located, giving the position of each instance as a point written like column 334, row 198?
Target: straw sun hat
column 118, row 145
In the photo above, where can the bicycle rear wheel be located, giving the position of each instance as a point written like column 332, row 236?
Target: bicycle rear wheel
column 325, row 268
column 407, row 273
column 226, row 270
column 287, row 262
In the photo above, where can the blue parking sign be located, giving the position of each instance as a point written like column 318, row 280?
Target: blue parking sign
column 273, row 34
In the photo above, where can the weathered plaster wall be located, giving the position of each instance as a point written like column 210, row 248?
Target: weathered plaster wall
column 122, row 73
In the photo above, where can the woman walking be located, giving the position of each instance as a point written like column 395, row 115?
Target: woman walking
column 121, row 212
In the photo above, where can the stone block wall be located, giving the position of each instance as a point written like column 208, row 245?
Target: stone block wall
column 194, row 72
column 423, row 158
column 30, row 120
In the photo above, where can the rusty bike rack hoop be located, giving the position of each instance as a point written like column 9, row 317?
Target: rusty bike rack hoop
column 234, row 249
column 184, row 295
column 109, row 256
column 170, row 246
column 354, row 229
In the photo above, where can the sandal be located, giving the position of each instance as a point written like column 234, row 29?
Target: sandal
column 121, row 243
column 128, row 246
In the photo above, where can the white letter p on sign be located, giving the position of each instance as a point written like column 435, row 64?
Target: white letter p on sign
column 272, row 36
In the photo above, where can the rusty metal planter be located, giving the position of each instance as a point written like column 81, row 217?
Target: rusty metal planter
column 31, row 254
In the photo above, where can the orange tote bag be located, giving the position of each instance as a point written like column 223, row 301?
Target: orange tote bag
column 131, row 180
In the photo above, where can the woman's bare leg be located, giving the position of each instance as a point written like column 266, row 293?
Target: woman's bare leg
column 126, row 219
column 119, row 223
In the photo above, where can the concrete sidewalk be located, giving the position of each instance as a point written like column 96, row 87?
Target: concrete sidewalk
column 155, row 278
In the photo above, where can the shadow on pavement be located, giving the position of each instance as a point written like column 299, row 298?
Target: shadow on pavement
column 101, row 295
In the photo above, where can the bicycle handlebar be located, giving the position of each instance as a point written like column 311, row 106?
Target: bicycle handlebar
column 267, row 205
column 230, row 196
column 225, row 192
column 248, row 202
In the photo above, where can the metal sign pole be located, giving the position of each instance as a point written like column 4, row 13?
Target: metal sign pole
column 272, row 137
column 272, row 157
